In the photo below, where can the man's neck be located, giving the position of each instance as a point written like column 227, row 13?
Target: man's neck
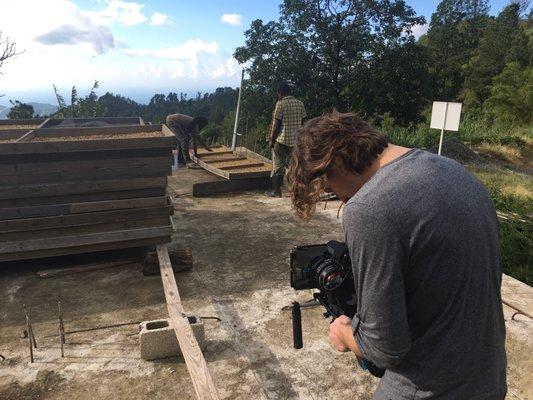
column 391, row 153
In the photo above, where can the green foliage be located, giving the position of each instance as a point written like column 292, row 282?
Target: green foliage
column 511, row 98
column 516, row 233
column 85, row 107
column 329, row 50
column 453, row 36
column 20, row 110
column 498, row 45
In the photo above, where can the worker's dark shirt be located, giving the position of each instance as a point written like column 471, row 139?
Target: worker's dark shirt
column 423, row 238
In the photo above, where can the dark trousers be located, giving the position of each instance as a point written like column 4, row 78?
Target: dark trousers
column 282, row 158
column 183, row 146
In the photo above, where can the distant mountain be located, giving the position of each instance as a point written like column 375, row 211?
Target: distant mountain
column 38, row 108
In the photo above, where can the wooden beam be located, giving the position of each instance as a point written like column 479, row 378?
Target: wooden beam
column 194, row 359
column 224, row 160
column 240, row 166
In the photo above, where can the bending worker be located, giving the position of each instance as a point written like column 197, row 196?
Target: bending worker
column 186, row 128
column 288, row 118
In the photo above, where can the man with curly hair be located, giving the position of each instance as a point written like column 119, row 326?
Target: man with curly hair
column 422, row 234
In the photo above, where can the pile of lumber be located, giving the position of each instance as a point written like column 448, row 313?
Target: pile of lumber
column 83, row 189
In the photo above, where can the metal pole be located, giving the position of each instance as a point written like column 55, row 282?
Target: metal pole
column 442, row 130
column 234, row 141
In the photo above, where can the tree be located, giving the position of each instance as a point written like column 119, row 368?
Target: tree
column 8, row 48
column 501, row 43
column 454, row 33
column 321, row 47
column 511, row 98
column 85, row 107
column 20, row 110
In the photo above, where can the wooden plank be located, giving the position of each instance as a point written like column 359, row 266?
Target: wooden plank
column 57, row 131
column 27, row 255
column 237, row 167
column 102, row 227
column 96, row 173
column 194, row 359
column 29, row 224
column 13, row 159
column 87, row 145
column 249, row 174
column 22, row 121
column 79, row 208
column 56, row 122
column 81, row 198
column 207, row 155
column 84, row 240
column 31, row 134
column 223, row 160
column 210, row 168
column 79, row 187
column 82, row 165
column 204, row 189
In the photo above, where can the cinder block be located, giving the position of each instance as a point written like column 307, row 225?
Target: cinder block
column 158, row 340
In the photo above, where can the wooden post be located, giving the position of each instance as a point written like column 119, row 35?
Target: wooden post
column 192, row 354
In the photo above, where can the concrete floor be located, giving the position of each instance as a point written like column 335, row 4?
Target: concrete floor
column 240, row 244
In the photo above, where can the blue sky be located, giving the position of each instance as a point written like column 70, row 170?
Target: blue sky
column 135, row 48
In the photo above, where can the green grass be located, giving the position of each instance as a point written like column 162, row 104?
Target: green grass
column 512, row 194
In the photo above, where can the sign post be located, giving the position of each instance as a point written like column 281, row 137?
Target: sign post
column 234, row 139
column 446, row 117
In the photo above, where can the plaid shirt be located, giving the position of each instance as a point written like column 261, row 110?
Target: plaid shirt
column 290, row 111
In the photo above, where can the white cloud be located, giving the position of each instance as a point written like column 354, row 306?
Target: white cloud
column 126, row 13
column 232, row 19
column 185, row 57
column 419, row 30
column 159, row 19
column 68, row 45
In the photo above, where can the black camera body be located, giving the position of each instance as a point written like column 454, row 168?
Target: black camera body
column 328, row 268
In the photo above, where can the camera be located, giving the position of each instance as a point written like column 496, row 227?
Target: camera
column 328, row 268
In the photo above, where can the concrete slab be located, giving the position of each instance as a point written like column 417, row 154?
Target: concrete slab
column 240, row 243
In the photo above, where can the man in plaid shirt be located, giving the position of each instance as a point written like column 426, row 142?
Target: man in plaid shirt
column 288, row 118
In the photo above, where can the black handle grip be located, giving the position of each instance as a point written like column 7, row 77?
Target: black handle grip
column 297, row 325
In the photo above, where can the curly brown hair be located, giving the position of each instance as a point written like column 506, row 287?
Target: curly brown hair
column 343, row 137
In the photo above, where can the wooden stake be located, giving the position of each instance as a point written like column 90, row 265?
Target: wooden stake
column 194, row 359
column 30, row 333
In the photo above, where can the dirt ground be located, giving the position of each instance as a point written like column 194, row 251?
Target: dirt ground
column 240, row 244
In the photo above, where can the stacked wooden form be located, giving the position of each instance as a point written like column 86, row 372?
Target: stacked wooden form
column 76, row 190
column 239, row 164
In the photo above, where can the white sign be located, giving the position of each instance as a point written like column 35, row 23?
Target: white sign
column 446, row 117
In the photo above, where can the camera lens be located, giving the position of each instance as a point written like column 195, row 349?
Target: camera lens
column 329, row 274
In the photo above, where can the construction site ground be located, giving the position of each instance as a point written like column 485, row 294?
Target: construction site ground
column 240, row 243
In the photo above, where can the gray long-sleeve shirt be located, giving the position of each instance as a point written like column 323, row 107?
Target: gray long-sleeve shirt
column 423, row 238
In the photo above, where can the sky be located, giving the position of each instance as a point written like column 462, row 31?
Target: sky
column 133, row 48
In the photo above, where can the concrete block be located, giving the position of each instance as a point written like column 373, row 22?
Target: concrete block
column 158, row 340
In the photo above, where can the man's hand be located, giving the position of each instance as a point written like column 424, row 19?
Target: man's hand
column 341, row 335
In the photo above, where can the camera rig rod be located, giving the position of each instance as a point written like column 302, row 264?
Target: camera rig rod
column 297, row 325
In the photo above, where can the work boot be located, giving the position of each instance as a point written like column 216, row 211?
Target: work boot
column 277, row 181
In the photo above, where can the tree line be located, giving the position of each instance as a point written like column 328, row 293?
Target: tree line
column 362, row 55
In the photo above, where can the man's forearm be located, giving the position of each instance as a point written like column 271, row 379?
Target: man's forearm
column 276, row 129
